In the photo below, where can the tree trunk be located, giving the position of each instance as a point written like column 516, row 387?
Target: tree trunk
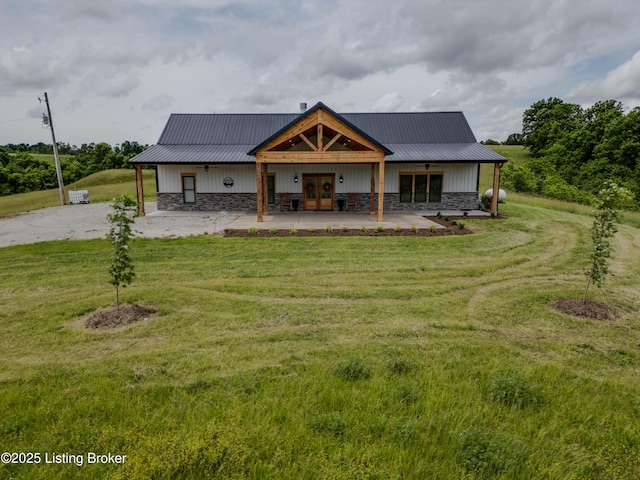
column 586, row 289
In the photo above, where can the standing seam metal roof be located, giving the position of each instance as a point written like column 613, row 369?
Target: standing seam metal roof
column 226, row 138
column 254, row 128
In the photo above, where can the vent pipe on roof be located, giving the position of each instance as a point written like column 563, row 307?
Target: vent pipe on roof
column 303, row 107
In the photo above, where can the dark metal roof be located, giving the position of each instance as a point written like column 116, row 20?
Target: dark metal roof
column 229, row 137
column 442, row 152
column 255, row 128
column 222, row 129
column 201, row 154
column 403, row 152
column 414, row 127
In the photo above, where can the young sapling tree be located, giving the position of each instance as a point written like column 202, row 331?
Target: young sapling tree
column 610, row 199
column 125, row 210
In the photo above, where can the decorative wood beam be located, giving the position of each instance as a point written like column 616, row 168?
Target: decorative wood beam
column 294, row 131
column 265, row 188
column 372, row 190
column 496, row 189
column 337, row 126
column 319, row 157
column 331, row 142
column 313, row 121
column 308, row 142
column 140, row 190
column 319, row 137
column 380, row 190
column 259, row 193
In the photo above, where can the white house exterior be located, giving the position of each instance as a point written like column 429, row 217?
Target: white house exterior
column 419, row 161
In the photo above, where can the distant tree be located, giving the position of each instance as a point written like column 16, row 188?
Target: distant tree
column 610, row 199
column 546, row 121
column 490, row 141
column 41, row 148
column 129, row 149
column 514, row 139
column 125, row 210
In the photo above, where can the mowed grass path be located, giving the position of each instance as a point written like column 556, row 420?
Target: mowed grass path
column 327, row 358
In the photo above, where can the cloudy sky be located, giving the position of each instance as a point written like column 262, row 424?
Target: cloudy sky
column 114, row 70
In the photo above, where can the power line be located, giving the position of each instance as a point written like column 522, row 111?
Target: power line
column 17, row 120
column 18, row 95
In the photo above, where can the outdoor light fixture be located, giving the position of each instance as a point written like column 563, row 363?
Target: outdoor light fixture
column 295, row 179
column 341, row 179
column 426, row 166
column 206, row 168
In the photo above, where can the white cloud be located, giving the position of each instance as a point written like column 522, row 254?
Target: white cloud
column 161, row 102
column 622, row 83
column 390, row 102
column 116, row 69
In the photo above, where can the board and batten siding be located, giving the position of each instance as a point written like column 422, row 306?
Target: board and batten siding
column 457, row 178
column 357, row 178
column 211, row 181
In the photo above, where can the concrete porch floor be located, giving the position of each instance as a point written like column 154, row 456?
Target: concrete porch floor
column 337, row 220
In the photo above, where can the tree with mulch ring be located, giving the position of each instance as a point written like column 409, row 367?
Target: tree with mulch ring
column 125, row 210
column 110, row 318
column 122, row 273
column 610, row 200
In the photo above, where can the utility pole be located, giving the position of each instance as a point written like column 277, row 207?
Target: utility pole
column 63, row 198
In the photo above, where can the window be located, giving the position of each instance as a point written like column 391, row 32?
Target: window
column 435, row 188
column 189, row 188
column 271, row 188
column 417, row 187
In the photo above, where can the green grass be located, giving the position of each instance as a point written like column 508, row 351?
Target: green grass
column 102, row 186
column 49, row 157
column 354, row 357
column 519, row 155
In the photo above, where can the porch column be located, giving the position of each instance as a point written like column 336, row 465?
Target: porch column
column 140, row 190
column 496, row 189
column 381, row 190
column 373, row 190
column 265, row 188
column 259, row 187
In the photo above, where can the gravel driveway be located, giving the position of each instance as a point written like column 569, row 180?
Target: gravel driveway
column 82, row 222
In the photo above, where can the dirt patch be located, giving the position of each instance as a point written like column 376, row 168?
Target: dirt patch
column 112, row 318
column 587, row 309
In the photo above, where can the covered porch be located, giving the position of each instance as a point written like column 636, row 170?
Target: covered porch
column 320, row 137
column 336, row 220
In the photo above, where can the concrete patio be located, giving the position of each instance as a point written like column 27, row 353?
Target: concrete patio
column 338, row 220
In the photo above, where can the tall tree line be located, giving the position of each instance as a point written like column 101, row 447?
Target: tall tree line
column 576, row 150
column 21, row 172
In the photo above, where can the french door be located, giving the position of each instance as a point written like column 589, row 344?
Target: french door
column 318, row 191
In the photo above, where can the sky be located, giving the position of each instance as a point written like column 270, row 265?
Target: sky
column 115, row 70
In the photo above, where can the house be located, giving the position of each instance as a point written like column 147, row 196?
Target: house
column 317, row 160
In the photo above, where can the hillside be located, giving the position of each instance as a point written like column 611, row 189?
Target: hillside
column 102, row 187
column 327, row 357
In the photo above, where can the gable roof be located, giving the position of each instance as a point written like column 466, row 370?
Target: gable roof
column 310, row 112
column 232, row 137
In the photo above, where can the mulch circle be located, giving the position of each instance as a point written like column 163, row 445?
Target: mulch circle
column 576, row 307
column 110, row 318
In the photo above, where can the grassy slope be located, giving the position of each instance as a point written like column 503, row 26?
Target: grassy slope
column 518, row 155
column 102, row 187
column 239, row 374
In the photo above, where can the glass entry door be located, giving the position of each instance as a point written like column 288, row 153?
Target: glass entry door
column 318, row 191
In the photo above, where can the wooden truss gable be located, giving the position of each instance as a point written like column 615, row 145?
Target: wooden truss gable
column 324, row 139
